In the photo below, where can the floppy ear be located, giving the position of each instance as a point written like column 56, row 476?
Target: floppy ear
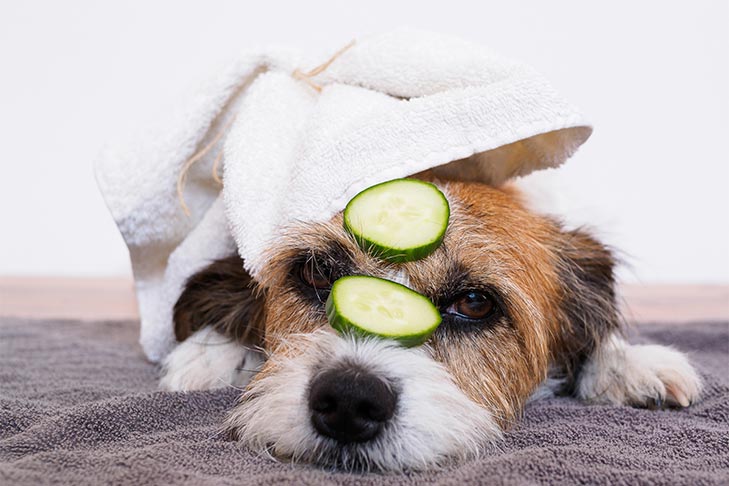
column 223, row 296
column 589, row 310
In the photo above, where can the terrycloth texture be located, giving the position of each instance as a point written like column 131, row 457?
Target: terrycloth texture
column 391, row 106
column 78, row 406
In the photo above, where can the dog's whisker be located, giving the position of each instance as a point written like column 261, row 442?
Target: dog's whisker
column 229, row 385
column 218, row 433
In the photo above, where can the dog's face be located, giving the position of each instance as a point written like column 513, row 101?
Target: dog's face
column 513, row 290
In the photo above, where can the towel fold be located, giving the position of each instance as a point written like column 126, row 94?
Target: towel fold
column 296, row 149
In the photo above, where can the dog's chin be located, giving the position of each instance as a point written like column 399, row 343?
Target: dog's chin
column 434, row 422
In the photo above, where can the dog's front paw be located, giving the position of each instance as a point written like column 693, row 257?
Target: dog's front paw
column 206, row 361
column 648, row 376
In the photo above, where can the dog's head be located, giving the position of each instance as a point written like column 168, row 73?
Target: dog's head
column 519, row 298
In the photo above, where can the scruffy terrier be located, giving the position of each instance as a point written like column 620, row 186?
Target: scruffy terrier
column 528, row 309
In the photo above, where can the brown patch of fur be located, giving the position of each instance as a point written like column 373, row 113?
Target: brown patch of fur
column 503, row 245
column 224, row 296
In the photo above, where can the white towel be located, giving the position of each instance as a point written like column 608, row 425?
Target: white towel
column 390, row 106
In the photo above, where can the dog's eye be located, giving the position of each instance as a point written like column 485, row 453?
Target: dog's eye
column 472, row 305
column 316, row 274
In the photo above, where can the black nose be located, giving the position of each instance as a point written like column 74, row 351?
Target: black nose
column 350, row 405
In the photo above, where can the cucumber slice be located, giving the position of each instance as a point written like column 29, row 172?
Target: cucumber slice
column 374, row 306
column 400, row 220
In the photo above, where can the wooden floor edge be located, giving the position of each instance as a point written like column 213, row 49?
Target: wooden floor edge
column 113, row 299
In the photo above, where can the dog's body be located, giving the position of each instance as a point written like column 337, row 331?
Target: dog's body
column 528, row 308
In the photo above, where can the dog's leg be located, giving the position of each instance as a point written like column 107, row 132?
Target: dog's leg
column 208, row 360
column 651, row 376
column 593, row 361
column 217, row 319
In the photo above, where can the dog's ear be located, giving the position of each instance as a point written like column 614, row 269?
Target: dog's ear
column 223, row 296
column 588, row 307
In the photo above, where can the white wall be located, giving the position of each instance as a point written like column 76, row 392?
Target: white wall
column 653, row 76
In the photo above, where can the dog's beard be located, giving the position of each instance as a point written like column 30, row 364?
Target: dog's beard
column 434, row 421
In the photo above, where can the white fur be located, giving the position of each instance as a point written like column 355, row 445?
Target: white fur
column 639, row 375
column 208, row 360
column 548, row 388
column 433, row 423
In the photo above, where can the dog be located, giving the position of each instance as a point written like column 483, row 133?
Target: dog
column 528, row 309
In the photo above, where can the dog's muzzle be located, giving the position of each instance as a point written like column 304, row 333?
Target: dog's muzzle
column 355, row 402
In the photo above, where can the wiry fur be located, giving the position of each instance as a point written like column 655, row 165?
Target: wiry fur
column 428, row 427
column 556, row 321
column 589, row 309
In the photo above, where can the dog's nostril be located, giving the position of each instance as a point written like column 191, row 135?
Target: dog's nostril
column 375, row 412
column 323, row 404
column 349, row 405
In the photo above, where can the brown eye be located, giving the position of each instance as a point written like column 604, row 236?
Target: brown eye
column 472, row 305
column 316, row 275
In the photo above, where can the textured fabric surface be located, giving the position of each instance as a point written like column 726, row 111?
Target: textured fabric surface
column 78, row 405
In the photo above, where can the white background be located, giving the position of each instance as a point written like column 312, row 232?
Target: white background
column 652, row 76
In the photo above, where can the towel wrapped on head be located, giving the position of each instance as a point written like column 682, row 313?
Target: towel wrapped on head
column 295, row 147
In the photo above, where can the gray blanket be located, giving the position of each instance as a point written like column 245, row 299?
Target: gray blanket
column 78, row 405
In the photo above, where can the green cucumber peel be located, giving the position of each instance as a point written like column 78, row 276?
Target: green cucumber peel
column 371, row 306
column 398, row 221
